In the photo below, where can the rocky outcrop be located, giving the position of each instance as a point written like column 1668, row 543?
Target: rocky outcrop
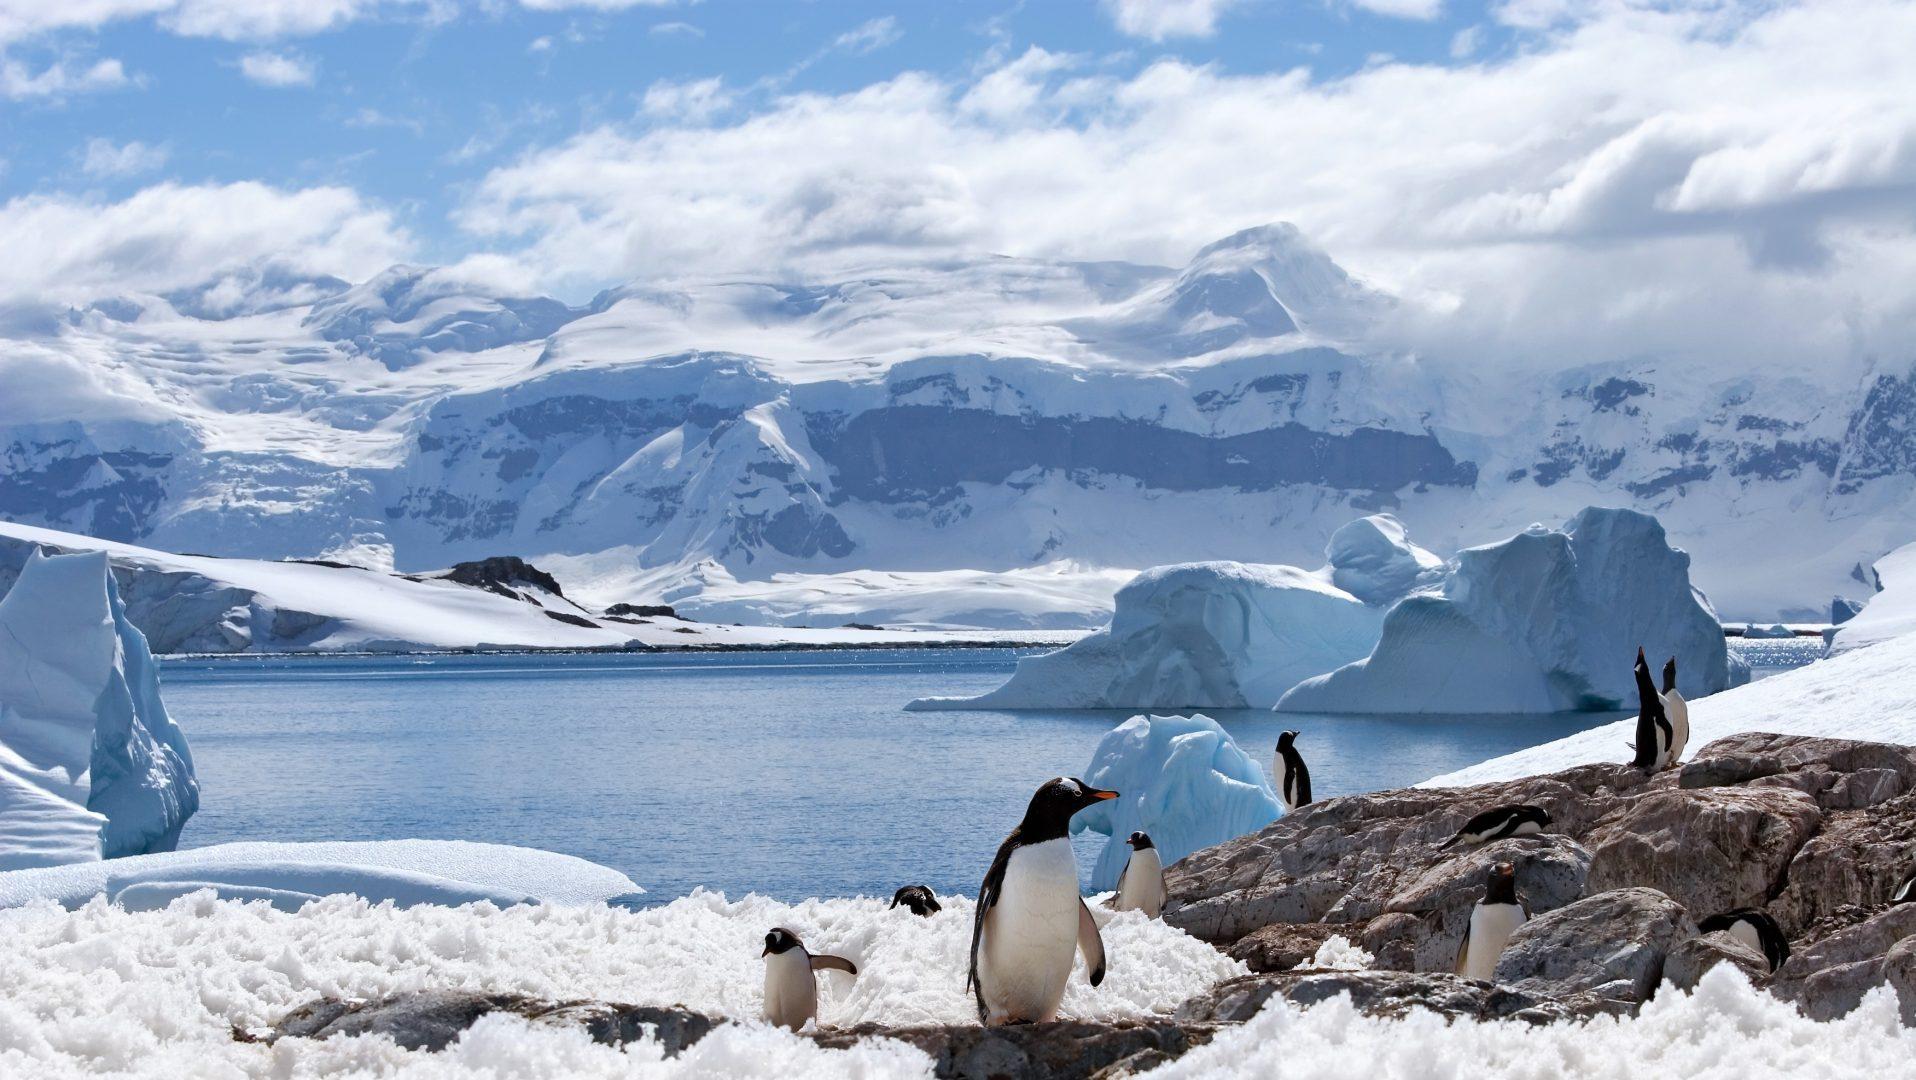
column 432, row 1019
column 1283, row 946
column 1813, row 830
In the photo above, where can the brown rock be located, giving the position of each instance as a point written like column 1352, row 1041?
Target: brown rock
column 1710, row 850
column 1612, row 945
column 1858, row 859
column 1060, row 1050
column 1283, row 946
column 1828, row 978
column 1688, row 960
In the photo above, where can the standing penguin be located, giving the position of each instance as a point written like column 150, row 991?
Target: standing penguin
column 1030, row 915
column 1499, row 822
column 791, row 991
column 1492, row 921
column 1287, row 768
column 916, row 899
column 1141, row 886
column 1653, row 726
column 1752, row 927
column 1678, row 712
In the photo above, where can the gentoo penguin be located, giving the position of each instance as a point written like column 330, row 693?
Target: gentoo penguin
column 1905, row 892
column 1141, row 886
column 1287, row 768
column 791, row 991
column 1499, row 822
column 1653, row 726
column 1678, row 712
column 1752, row 927
column 1492, row 921
column 1030, row 915
column 917, row 899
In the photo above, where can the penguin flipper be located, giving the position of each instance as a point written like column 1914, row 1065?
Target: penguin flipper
column 834, row 963
column 1090, row 944
column 987, row 899
column 1463, row 953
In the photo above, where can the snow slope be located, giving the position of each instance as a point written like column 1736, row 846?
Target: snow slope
column 287, row 875
column 195, row 603
column 1891, row 612
column 91, row 765
column 1862, row 694
column 156, row 993
column 1546, row 621
column 981, row 416
column 1182, row 779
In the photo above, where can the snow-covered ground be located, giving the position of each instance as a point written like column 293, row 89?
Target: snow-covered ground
column 1862, row 694
column 295, row 606
column 1888, row 613
column 159, row 993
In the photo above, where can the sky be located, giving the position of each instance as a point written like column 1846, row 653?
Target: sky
column 1597, row 176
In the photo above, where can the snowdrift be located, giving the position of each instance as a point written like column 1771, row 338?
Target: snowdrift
column 1888, row 614
column 1182, row 779
column 1223, row 635
column 91, row 766
column 1546, row 621
column 1864, row 694
column 288, row 875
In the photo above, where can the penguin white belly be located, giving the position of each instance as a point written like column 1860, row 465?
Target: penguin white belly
column 1490, row 928
column 791, row 991
column 1526, row 828
column 1031, row 934
column 1142, row 887
column 1745, row 932
column 1678, row 712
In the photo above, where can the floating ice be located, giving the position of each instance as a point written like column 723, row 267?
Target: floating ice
column 1182, row 779
column 91, row 766
column 1546, row 621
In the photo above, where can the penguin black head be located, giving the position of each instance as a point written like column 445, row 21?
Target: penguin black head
column 1501, row 886
column 917, row 899
column 779, row 941
column 1285, row 739
column 1140, row 841
column 1669, row 675
column 1049, row 814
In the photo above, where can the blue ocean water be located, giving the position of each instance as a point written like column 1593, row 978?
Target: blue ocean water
column 792, row 774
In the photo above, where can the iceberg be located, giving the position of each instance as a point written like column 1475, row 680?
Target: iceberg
column 1183, row 780
column 91, row 765
column 1546, row 621
column 1224, row 635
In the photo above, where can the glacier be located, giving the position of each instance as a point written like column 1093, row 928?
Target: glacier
column 1182, row 779
column 1223, row 635
column 1890, row 612
column 1546, row 621
column 978, row 416
column 91, row 765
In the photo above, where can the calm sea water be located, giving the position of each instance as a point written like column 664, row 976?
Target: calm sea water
column 792, row 774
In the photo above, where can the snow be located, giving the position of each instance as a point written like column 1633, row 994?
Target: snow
column 1373, row 559
column 1724, row 1030
column 1888, row 614
column 91, row 765
column 1338, row 953
column 1181, row 779
column 1862, row 694
column 406, row 872
column 1546, row 621
column 101, row 990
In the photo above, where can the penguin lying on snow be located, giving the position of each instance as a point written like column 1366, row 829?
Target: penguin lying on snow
column 1141, row 886
column 1287, row 768
column 1654, row 734
column 917, row 899
column 1492, row 921
column 1499, row 822
column 1030, row 915
column 1752, row 927
column 791, row 991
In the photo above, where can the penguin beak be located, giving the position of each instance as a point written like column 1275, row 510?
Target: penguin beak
column 1097, row 795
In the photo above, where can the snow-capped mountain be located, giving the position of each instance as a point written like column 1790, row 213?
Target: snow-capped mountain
column 900, row 432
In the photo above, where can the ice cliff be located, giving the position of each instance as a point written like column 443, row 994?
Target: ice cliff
column 1224, row 635
column 1182, row 779
column 91, row 766
column 1546, row 621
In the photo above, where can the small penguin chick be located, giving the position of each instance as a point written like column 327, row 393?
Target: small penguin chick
column 1141, row 886
column 917, row 899
column 791, row 990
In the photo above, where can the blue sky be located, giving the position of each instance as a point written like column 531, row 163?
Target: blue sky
column 1612, row 177
column 409, row 102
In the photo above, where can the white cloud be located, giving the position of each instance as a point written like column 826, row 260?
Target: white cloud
column 694, row 101
column 666, row 28
column 59, row 79
column 278, row 69
column 869, row 36
column 1465, row 43
column 1638, row 181
column 1156, row 20
column 65, row 250
column 1402, row 9
column 103, row 158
